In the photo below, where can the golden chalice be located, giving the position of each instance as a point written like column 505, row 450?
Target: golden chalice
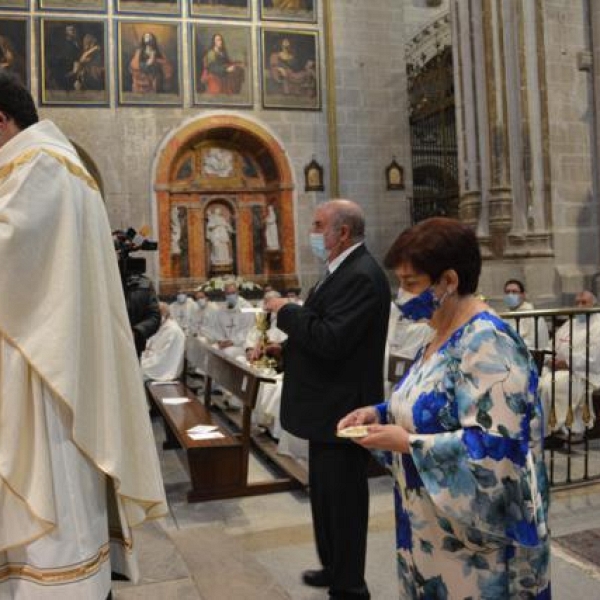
column 264, row 361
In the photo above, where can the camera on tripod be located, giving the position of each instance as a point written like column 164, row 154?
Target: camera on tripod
column 128, row 241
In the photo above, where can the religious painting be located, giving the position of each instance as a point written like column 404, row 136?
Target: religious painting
column 234, row 9
column 83, row 5
column 394, row 176
column 148, row 60
column 289, row 10
column 313, row 177
column 16, row 4
column 73, row 62
column 222, row 65
column 14, row 47
column 149, row 7
column 290, row 69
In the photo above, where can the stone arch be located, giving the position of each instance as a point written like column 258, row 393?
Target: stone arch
column 90, row 165
column 232, row 162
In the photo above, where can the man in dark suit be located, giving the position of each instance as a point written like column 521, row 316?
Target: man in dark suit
column 333, row 363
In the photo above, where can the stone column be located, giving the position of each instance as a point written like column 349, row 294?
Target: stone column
column 499, row 63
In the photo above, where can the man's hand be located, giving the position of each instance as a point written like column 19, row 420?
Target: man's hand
column 274, row 304
column 224, row 344
column 255, row 353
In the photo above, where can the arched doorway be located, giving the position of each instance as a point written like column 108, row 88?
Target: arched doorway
column 224, row 199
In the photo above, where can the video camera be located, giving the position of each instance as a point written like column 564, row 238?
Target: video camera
column 128, row 241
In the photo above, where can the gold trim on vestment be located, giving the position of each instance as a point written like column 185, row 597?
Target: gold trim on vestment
column 117, row 536
column 60, row 575
column 75, row 170
column 146, row 505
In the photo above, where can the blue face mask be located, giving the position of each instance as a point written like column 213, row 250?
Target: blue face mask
column 317, row 245
column 231, row 300
column 420, row 307
column 181, row 298
column 512, row 300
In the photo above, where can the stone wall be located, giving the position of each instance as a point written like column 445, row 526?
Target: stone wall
column 372, row 121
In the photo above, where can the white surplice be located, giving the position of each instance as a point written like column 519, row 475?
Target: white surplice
column 162, row 360
column 577, row 381
column 73, row 414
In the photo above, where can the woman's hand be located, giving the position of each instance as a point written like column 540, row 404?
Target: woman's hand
column 361, row 416
column 386, row 437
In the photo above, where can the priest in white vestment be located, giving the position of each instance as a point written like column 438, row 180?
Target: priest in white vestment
column 183, row 311
column 198, row 330
column 534, row 332
column 162, row 360
column 75, row 438
column 565, row 339
column 228, row 326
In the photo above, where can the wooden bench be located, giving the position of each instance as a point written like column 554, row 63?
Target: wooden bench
column 243, row 382
column 216, row 466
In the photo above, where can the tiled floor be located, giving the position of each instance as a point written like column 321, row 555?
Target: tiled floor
column 255, row 547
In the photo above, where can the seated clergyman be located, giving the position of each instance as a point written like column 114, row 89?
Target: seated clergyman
column 162, row 360
column 570, row 349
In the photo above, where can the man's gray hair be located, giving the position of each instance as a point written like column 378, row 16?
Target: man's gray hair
column 590, row 295
column 349, row 213
column 272, row 294
column 164, row 309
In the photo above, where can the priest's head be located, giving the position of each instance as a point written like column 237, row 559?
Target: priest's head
column 17, row 109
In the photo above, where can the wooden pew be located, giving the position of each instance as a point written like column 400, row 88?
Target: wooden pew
column 216, row 466
column 244, row 382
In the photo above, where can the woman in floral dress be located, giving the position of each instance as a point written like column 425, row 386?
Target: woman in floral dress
column 463, row 434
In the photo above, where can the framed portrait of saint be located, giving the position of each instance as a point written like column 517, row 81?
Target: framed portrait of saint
column 289, row 10
column 14, row 4
column 290, row 69
column 148, row 63
column 222, row 65
column 149, row 7
column 14, row 47
column 73, row 62
column 72, row 5
column 221, row 9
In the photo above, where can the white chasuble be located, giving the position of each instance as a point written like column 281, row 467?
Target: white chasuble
column 73, row 415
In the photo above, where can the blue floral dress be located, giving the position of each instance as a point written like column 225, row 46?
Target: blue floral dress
column 471, row 498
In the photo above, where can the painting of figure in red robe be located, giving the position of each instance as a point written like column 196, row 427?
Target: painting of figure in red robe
column 222, row 63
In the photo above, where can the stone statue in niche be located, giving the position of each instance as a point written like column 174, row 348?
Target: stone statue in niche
column 218, row 232
column 175, row 231
column 271, row 231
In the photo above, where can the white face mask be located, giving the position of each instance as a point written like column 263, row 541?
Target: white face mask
column 231, row 300
column 201, row 302
column 181, row 298
column 317, row 245
column 403, row 297
column 512, row 299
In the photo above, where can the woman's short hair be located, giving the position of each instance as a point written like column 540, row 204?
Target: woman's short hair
column 437, row 245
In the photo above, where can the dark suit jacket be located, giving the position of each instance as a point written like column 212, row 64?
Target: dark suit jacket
column 333, row 357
